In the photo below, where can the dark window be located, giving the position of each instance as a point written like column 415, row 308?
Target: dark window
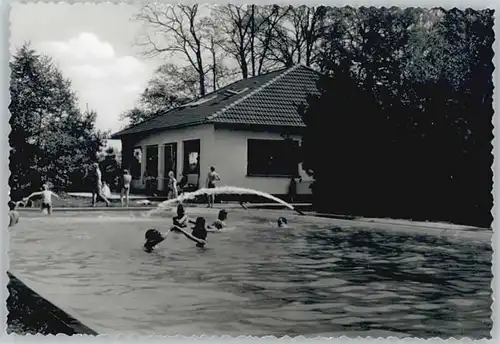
column 171, row 158
column 152, row 161
column 272, row 158
column 135, row 163
column 191, row 157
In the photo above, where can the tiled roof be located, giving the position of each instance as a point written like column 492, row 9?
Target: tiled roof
column 271, row 99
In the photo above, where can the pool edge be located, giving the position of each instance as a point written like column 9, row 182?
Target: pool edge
column 35, row 314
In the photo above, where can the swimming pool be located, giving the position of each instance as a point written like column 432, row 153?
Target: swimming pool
column 323, row 277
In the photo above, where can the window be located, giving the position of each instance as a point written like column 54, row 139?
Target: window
column 272, row 158
column 170, row 158
column 191, row 157
column 152, row 161
column 135, row 164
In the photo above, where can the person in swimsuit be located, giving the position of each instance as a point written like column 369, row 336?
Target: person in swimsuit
column 172, row 186
column 282, row 222
column 199, row 235
column 46, row 196
column 212, row 177
column 219, row 223
column 181, row 220
column 153, row 238
column 13, row 214
column 97, row 189
column 200, row 231
column 125, row 181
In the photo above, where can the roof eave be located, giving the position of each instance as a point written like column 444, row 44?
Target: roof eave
column 123, row 133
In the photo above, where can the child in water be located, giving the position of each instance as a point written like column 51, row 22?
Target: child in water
column 200, row 231
column 153, row 238
column 199, row 234
column 13, row 214
column 181, row 220
column 46, row 195
column 282, row 222
column 219, row 223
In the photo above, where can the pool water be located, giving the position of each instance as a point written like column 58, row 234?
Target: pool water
column 322, row 277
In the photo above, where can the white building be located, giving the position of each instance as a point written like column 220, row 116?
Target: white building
column 238, row 129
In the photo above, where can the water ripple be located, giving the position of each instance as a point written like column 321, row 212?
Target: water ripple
column 317, row 279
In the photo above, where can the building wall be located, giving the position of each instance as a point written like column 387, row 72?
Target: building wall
column 230, row 162
column 223, row 148
column 205, row 133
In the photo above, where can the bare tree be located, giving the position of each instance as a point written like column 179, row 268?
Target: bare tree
column 249, row 31
column 297, row 38
column 268, row 20
column 180, row 28
column 235, row 24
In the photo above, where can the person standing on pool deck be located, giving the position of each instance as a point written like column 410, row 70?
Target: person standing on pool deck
column 172, row 186
column 212, row 177
column 46, row 198
column 125, row 181
column 97, row 191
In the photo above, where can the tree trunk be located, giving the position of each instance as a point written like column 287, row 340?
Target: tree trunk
column 252, row 38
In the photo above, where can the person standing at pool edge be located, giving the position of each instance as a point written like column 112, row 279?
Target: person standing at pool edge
column 97, row 191
column 172, row 186
column 125, row 181
column 46, row 198
column 212, row 177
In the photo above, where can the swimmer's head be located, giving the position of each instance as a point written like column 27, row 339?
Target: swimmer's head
column 125, row 171
column 180, row 210
column 212, row 168
column 153, row 238
column 171, row 174
column 95, row 165
column 222, row 215
column 45, row 186
column 200, row 222
column 282, row 222
column 12, row 205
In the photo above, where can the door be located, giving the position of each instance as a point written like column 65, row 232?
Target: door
column 170, row 158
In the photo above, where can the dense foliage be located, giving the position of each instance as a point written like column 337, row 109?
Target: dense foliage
column 406, row 117
column 51, row 140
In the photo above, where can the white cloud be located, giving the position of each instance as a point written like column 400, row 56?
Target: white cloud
column 86, row 46
column 110, row 84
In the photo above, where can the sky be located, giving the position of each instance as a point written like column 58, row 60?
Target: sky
column 93, row 45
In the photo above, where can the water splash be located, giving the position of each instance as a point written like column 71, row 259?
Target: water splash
column 224, row 190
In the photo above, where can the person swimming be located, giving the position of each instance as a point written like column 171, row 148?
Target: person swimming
column 153, row 238
column 199, row 235
column 181, row 219
column 220, row 222
column 200, row 231
column 13, row 214
column 282, row 222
